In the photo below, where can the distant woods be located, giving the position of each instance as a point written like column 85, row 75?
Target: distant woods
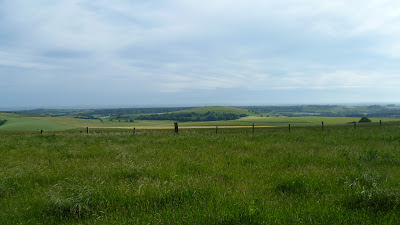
column 94, row 113
column 373, row 111
column 192, row 116
column 2, row 122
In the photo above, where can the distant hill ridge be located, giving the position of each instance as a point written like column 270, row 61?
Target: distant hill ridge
column 217, row 109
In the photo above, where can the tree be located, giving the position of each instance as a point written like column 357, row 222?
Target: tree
column 364, row 119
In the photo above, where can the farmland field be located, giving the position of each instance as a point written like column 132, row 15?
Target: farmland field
column 48, row 123
column 18, row 122
column 112, row 176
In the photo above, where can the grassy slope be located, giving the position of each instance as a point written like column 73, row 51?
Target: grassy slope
column 18, row 122
column 97, row 123
column 246, row 121
column 283, row 121
column 339, row 176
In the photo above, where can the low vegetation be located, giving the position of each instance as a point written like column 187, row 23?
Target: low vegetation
column 364, row 119
column 2, row 122
column 192, row 116
column 272, row 176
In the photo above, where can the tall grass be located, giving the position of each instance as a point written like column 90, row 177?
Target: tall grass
column 340, row 176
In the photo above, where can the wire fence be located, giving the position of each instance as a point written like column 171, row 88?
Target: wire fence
column 251, row 128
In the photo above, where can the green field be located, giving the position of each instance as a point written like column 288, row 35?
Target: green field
column 48, row 123
column 20, row 122
column 284, row 121
column 112, row 176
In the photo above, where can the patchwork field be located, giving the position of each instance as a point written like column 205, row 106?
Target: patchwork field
column 111, row 176
column 48, row 123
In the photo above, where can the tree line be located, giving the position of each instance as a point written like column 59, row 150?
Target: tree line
column 93, row 113
column 192, row 116
column 385, row 111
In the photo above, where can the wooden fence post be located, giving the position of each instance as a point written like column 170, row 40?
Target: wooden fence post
column 41, row 131
column 176, row 127
column 289, row 126
column 87, row 130
column 380, row 123
column 134, row 130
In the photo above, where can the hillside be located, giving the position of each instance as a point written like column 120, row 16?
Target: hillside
column 19, row 122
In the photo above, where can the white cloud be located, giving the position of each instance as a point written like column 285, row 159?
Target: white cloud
column 176, row 45
column 21, row 60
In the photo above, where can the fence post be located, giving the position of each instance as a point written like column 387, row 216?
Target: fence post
column 289, row 126
column 380, row 123
column 176, row 127
column 134, row 130
column 216, row 129
column 322, row 125
column 87, row 130
column 41, row 131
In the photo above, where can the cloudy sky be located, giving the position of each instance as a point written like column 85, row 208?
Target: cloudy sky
column 208, row 52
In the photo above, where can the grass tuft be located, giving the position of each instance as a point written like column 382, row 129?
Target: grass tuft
column 70, row 199
column 368, row 192
column 291, row 186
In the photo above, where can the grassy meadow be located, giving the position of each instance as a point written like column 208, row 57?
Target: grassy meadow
column 112, row 176
column 27, row 122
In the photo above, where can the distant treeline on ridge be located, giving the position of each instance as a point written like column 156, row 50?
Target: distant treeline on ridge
column 192, row 116
column 373, row 111
column 93, row 113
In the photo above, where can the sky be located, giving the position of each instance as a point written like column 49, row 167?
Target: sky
column 209, row 52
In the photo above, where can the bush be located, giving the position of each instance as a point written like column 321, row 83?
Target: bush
column 2, row 122
column 364, row 119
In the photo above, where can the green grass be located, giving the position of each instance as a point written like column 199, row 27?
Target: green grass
column 17, row 122
column 81, row 123
column 339, row 176
column 246, row 121
column 284, row 121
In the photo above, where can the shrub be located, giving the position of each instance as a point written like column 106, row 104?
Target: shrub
column 364, row 119
column 2, row 122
